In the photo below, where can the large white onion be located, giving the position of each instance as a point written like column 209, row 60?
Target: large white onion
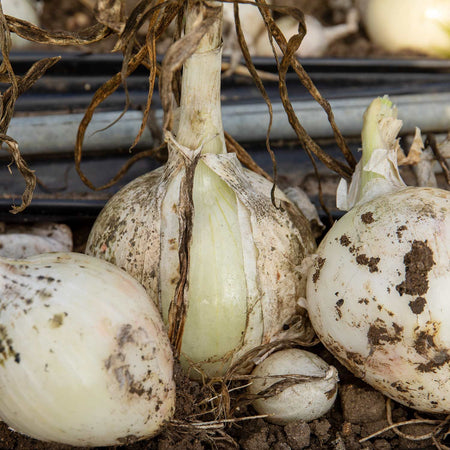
column 85, row 359
column 245, row 255
column 377, row 294
column 421, row 25
column 244, row 278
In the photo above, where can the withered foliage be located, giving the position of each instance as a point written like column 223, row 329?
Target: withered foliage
column 156, row 16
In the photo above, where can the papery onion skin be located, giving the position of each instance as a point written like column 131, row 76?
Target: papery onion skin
column 86, row 360
column 378, row 295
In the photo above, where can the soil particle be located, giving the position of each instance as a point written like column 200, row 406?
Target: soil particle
column 257, row 440
column 339, row 303
column 371, row 263
column 319, row 264
column 379, row 334
column 400, row 231
column 321, row 428
column 418, row 262
column 367, row 217
column 362, row 404
column 344, row 240
column 372, row 427
column 281, row 446
column 298, row 435
column 57, row 320
column 424, row 342
column 417, row 306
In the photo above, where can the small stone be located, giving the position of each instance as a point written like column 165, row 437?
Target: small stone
column 298, row 435
column 321, row 429
column 362, row 405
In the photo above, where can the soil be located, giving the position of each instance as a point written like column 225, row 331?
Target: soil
column 359, row 410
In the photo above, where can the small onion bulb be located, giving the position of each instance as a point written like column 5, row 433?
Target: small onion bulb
column 85, row 358
column 317, row 39
column 305, row 386
column 377, row 294
column 420, row 25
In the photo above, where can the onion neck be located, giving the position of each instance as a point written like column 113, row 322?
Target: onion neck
column 377, row 172
column 380, row 130
column 372, row 134
column 200, row 120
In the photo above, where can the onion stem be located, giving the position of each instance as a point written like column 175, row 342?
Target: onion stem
column 379, row 172
column 373, row 134
column 200, row 108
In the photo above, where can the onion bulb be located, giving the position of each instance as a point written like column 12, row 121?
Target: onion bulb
column 420, row 25
column 293, row 385
column 85, row 359
column 377, row 293
column 317, row 39
column 244, row 252
column 22, row 241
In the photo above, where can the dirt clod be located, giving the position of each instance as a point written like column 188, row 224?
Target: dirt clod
column 418, row 262
column 362, row 405
column 321, row 428
column 298, row 435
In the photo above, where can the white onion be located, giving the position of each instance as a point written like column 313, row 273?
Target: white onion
column 23, row 241
column 252, row 25
column 377, row 294
column 317, row 39
column 307, row 386
column 85, row 358
column 421, row 25
column 244, row 277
